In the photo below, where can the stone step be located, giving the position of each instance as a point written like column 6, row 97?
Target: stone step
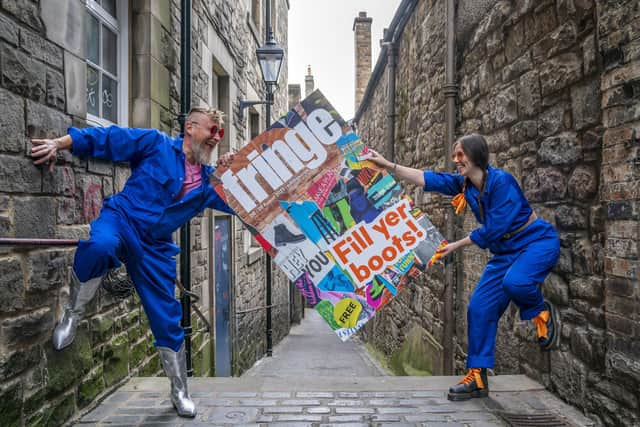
column 322, row 401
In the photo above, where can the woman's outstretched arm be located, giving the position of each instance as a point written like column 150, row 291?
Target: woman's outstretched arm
column 414, row 176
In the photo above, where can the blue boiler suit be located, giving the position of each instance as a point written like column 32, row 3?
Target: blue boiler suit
column 519, row 264
column 135, row 226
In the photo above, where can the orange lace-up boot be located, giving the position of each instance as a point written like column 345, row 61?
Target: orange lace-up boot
column 474, row 384
column 547, row 327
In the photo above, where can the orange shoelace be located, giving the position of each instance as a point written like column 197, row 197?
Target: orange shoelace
column 473, row 374
column 541, row 324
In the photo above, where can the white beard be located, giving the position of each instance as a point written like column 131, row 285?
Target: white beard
column 200, row 153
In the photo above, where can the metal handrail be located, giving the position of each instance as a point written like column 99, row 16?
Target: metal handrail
column 194, row 299
column 19, row 241
column 263, row 307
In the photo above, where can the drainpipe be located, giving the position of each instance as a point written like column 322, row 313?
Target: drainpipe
column 450, row 93
column 391, row 99
column 185, row 230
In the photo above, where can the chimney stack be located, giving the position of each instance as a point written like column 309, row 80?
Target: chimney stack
column 294, row 95
column 308, row 82
column 362, row 33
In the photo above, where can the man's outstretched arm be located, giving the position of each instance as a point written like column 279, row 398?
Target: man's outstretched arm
column 113, row 143
column 46, row 150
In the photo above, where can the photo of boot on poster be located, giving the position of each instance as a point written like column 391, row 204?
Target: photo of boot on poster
column 339, row 227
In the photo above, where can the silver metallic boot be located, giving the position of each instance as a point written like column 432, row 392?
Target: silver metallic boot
column 175, row 366
column 80, row 295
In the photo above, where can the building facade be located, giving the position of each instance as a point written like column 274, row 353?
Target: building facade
column 102, row 62
column 553, row 85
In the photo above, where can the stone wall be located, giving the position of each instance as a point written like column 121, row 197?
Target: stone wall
column 42, row 92
column 614, row 388
column 294, row 95
column 419, row 134
column 554, row 87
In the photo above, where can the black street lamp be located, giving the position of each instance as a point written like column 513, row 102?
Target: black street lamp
column 270, row 57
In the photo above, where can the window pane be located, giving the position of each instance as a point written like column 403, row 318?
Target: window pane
column 93, row 39
column 109, row 50
column 109, row 99
column 93, row 91
column 254, row 123
column 109, row 6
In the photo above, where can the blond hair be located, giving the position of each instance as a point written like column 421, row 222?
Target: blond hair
column 215, row 115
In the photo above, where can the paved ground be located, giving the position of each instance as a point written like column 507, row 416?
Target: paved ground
column 315, row 380
column 312, row 349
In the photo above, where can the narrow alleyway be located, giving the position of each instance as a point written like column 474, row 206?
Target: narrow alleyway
column 312, row 349
column 313, row 379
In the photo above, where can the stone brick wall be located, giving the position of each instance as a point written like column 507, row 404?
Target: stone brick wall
column 419, row 132
column 615, row 387
column 294, row 95
column 42, row 92
column 554, row 87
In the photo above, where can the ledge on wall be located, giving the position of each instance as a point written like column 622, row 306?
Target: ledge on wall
column 253, row 255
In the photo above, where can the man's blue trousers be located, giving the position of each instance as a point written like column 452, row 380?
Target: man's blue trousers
column 150, row 264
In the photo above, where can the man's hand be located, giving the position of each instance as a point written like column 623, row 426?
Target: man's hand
column 225, row 160
column 44, row 151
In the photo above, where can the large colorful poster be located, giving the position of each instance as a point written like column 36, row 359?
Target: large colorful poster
column 341, row 228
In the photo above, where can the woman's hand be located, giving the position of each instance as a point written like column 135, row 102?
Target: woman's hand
column 446, row 250
column 44, row 150
column 375, row 157
column 412, row 175
column 454, row 246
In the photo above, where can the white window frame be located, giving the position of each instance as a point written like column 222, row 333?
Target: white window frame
column 120, row 26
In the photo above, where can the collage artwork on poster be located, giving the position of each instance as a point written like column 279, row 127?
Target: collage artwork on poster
column 340, row 228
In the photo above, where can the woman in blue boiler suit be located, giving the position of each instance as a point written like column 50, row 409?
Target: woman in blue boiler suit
column 524, row 247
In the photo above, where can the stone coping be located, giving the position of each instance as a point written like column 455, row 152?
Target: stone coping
column 500, row 383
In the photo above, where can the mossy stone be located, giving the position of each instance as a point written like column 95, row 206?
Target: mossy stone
column 151, row 368
column 138, row 353
column 68, row 365
column 11, row 406
column 116, row 360
column 91, row 387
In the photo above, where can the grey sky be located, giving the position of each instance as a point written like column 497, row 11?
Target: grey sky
column 321, row 35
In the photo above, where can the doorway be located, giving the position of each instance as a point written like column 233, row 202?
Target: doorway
column 222, row 285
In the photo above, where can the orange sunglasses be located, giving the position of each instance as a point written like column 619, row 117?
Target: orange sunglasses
column 457, row 156
column 216, row 130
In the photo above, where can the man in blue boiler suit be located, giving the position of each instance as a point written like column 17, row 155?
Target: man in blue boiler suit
column 169, row 185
